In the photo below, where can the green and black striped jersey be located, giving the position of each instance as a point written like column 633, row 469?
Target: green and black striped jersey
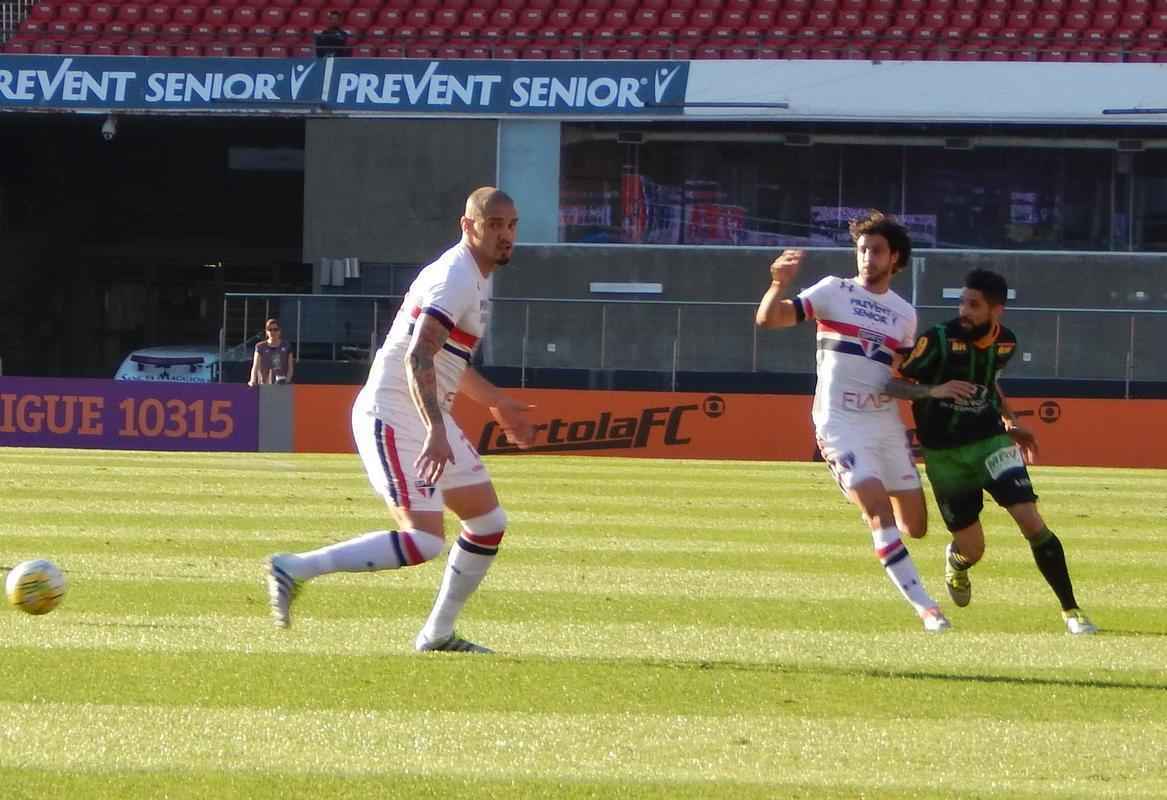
column 944, row 353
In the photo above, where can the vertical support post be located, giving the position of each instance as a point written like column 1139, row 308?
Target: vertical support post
column 603, row 332
column 1058, row 345
column 526, row 337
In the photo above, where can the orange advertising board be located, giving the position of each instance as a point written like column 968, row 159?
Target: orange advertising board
column 1096, row 433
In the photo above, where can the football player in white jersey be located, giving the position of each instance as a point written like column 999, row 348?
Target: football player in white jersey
column 861, row 325
column 414, row 453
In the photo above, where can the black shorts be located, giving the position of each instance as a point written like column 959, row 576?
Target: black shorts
column 961, row 475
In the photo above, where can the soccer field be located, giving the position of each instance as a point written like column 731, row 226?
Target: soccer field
column 664, row 629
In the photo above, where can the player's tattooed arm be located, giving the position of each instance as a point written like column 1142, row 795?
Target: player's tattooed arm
column 910, row 390
column 427, row 340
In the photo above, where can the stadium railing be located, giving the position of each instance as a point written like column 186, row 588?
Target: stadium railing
column 671, row 337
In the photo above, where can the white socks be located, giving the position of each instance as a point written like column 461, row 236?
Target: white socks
column 470, row 558
column 892, row 553
column 369, row 553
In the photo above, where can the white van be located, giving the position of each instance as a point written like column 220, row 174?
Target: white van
column 188, row 363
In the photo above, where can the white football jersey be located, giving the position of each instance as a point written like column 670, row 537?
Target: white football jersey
column 858, row 332
column 453, row 291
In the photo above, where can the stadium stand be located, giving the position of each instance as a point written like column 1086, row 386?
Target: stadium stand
column 960, row 30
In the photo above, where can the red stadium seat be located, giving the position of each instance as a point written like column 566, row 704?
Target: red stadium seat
column 911, row 52
column 274, row 17
column 158, row 14
column 245, row 50
column 231, row 34
column 388, row 51
column 1106, row 20
column 73, row 12
column 650, row 18
column 159, row 50
column 389, row 18
column 535, row 52
column 1066, row 37
column 363, row 50
column 707, row 52
column 87, row 31
column 418, row 17
column 260, row 35
column 174, row 33
column 292, row 34
column 42, row 12
column 854, row 52
column 131, row 13
column 199, row 33
column 997, row 54
column 1057, row 54
column 1125, row 38
column 244, row 15
column 796, row 52
column 1140, row 56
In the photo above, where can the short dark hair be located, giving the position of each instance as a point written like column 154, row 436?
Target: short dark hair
column 880, row 224
column 990, row 284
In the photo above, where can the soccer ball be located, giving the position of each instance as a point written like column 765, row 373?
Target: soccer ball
column 35, row 587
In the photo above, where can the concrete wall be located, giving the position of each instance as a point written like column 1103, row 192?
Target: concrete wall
column 391, row 190
column 1066, row 344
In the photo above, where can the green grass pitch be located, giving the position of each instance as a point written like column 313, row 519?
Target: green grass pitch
column 665, row 629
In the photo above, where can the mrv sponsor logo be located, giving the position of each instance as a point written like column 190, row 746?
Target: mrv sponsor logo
column 512, row 86
column 664, row 424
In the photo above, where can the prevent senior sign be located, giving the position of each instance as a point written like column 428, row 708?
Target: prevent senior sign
column 365, row 85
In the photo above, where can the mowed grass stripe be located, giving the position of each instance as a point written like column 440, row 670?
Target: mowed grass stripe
column 904, row 649
column 749, row 749
column 530, row 685
column 1011, row 558
column 853, row 580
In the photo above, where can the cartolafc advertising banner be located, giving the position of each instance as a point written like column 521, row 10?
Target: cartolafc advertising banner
column 493, row 88
column 739, row 426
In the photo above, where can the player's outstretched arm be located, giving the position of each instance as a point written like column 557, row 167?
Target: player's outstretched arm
column 774, row 311
column 428, row 338
column 910, row 390
column 510, row 414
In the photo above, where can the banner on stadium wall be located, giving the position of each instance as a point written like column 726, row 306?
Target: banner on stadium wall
column 637, row 424
column 494, row 88
column 117, row 415
column 740, row 426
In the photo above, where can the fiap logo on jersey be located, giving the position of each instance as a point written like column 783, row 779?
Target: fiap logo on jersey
column 510, row 87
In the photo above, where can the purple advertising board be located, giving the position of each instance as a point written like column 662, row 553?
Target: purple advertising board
column 128, row 415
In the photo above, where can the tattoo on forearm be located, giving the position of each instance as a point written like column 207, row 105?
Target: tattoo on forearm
column 423, row 387
column 907, row 390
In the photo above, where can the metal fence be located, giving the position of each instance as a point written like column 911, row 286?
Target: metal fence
column 675, row 336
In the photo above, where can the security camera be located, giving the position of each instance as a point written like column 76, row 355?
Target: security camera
column 109, row 128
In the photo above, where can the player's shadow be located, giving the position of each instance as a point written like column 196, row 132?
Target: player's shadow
column 159, row 625
column 920, row 675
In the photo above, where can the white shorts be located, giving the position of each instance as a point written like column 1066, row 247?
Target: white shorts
column 388, row 447
column 856, row 453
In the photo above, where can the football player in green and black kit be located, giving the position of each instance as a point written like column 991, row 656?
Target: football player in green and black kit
column 973, row 444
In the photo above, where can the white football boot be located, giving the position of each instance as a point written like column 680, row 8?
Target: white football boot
column 282, row 589
column 935, row 621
